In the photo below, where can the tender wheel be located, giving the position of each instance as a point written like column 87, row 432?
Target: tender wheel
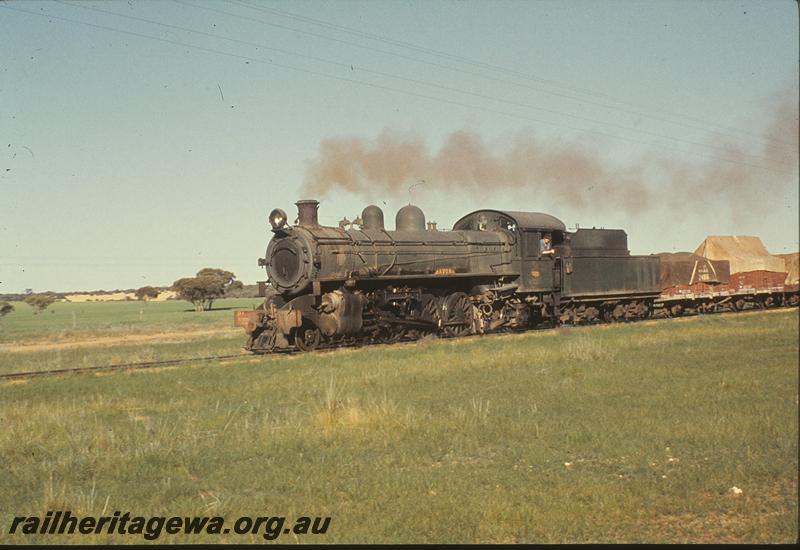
column 307, row 338
column 457, row 315
column 614, row 314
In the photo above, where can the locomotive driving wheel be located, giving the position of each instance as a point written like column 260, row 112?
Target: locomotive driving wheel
column 389, row 335
column 431, row 312
column 457, row 315
column 307, row 338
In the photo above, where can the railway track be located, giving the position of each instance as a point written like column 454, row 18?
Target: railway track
column 171, row 362
column 119, row 366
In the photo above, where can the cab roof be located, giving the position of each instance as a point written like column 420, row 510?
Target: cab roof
column 524, row 220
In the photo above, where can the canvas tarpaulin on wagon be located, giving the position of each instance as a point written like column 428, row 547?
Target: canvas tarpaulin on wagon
column 685, row 268
column 743, row 252
column 792, row 267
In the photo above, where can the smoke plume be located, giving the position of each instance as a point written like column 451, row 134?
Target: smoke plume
column 570, row 172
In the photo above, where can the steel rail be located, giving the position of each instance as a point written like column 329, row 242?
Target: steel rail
column 120, row 366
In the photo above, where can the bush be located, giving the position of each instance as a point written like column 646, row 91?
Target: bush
column 40, row 302
column 146, row 293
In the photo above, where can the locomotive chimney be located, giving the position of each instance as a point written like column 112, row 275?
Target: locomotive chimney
column 307, row 213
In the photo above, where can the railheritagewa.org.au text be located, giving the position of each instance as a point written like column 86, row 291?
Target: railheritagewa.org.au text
column 152, row 527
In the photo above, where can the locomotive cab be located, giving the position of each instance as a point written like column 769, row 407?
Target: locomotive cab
column 538, row 272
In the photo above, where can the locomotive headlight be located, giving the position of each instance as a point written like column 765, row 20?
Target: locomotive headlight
column 277, row 219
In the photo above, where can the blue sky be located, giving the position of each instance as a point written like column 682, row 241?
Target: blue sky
column 140, row 147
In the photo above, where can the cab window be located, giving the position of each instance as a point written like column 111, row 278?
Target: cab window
column 532, row 244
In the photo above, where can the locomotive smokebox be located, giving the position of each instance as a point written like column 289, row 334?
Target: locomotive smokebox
column 372, row 217
column 410, row 218
column 307, row 213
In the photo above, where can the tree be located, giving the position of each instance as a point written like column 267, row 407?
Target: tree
column 5, row 309
column 40, row 302
column 207, row 286
column 146, row 293
column 235, row 285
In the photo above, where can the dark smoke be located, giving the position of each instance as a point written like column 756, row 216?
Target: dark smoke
column 572, row 173
column 751, row 185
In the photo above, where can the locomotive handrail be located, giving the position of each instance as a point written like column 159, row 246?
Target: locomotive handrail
column 426, row 259
column 391, row 265
column 391, row 239
column 357, row 252
column 371, row 240
column 413, row 276
column 493, row 266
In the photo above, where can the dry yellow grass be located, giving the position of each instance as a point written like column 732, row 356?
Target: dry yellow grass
column 123, row 339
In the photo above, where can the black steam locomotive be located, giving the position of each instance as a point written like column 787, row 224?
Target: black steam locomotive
column 495, row 270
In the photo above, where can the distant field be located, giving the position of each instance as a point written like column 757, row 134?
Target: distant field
column 65, row 321
column 617, row 433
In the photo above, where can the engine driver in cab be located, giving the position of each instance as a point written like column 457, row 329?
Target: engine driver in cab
column 545, row 245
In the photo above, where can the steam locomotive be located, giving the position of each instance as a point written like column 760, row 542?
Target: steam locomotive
column 333, row 286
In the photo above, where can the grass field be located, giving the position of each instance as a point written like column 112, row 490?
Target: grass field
column 64, row 321
column 116, row 332
column 621, row 433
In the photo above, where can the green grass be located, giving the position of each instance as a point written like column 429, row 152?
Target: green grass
column 186, row 346
column 622, row 433
column 66, row 321
column 173, row 324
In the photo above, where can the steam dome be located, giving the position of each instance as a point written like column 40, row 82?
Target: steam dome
column 372, row 217
column 410, row 218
